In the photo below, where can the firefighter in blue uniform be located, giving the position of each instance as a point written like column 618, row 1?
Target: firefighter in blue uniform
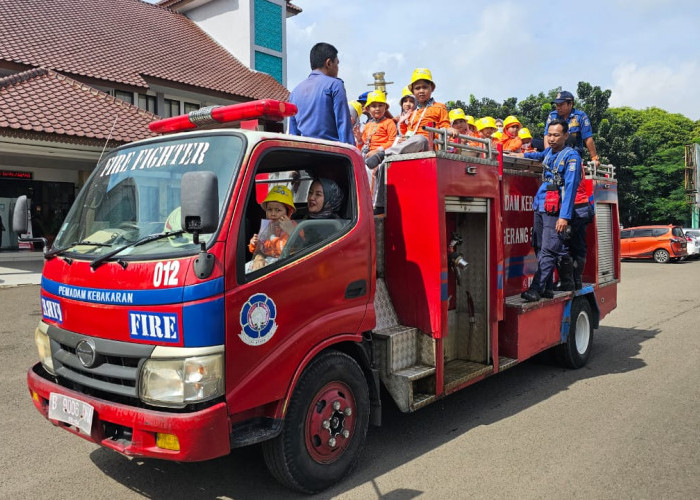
column 554, row 208
column 580, row 131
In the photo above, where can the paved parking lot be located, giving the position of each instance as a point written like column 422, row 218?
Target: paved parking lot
column 624, row 426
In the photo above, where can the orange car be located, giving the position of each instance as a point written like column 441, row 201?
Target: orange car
column 662, row 243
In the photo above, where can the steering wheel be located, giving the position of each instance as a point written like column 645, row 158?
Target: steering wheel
column 129, row 225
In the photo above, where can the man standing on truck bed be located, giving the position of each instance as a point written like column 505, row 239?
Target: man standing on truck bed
column 554, row 208
column 580, row 131
column 321, row 99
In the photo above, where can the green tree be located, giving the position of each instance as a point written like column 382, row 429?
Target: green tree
column 646, row 147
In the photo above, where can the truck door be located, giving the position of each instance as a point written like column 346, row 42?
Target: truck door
column 318, row 288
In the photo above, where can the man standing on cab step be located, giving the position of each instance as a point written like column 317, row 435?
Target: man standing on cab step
column 321, row 100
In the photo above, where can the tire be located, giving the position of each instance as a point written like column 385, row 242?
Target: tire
column 308, row 457
column 574, row 353
column 661, row 256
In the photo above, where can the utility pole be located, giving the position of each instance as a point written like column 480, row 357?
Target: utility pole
column 692, row 174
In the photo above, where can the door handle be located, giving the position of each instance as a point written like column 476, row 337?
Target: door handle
column 356, row 289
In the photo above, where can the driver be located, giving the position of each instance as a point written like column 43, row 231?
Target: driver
column 324, row 200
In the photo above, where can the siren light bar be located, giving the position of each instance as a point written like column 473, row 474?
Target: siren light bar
column 268, row 109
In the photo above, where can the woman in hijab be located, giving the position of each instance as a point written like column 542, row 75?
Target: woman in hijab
column 324, row 200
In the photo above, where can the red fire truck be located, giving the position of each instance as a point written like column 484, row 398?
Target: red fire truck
column 156, row 342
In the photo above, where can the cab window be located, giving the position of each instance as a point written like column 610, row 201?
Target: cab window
column 626, row 233
column 659, row 231
column 287, row 228
column 642, row 233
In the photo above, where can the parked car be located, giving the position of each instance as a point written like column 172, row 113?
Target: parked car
column 692, row 237
column 661, row 243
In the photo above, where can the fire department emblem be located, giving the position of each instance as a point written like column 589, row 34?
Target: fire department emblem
column 258, row 319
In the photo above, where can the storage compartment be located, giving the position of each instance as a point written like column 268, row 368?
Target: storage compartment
column 467, row 346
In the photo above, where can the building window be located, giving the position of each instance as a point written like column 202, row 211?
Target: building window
column 189, row 106
column 148, row 103
column 124, row 96
column 272, row 65
column 171, row 108
column 268, row 25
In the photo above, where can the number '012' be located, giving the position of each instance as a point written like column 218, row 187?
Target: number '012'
column 165, row 273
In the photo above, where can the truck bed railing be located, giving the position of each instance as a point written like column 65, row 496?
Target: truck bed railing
column 442, row 140
column 599, row 172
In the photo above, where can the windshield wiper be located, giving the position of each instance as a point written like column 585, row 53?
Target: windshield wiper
column 146, row 239
column 60, row 251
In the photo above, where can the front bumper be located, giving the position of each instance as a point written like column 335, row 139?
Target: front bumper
column 203, row 434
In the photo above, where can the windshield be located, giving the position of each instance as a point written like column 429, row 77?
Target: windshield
column 135, row 192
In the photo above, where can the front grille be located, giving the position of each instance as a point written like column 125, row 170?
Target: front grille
column 114, row 373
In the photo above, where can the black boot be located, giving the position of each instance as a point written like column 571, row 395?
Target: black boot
column 530, row 295
column 374, row 160
column 565, row 267
column 579, row 264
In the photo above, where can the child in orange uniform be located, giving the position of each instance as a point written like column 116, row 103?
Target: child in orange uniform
column 526, row 138
column 427, row 112
column 487, row 128
column 510, row 140
column 379, row 134
column 275, row 229
column 380, row 131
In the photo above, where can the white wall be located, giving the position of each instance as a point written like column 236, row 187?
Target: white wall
column 229, row 22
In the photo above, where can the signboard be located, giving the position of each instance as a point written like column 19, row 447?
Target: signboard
column 16, row 174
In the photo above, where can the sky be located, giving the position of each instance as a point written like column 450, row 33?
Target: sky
column 647, row 52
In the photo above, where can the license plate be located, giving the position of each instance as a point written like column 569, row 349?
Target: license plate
column 71, row 411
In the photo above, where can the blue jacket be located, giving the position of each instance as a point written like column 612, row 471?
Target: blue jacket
column 323, row 109
column 579, row 128
column 567, row 164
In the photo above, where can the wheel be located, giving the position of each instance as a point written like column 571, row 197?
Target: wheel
column 661, row 256
column 325, row 427
column 574, row 353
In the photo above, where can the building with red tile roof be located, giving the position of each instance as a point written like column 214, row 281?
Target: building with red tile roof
column 79, row 77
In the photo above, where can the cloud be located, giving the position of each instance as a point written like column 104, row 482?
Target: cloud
column 663, row 86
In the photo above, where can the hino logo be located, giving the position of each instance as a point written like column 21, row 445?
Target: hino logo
column 86, row 353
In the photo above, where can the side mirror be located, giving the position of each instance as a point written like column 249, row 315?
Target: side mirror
column 20, row 222
column 20, row 219
column 199, row 201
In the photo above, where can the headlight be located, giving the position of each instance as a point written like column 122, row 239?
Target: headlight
column 43, row 345
column 178, row 382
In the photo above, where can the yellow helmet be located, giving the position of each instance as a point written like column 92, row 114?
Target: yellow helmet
column 376, row 96
column 357, row 107
column 485, row 122
column 280, row 194
column 406, row 92
column 421, row 74
column 470, row 120
column 497, row 135
column 524, row 133
column 511, row 120
column 457, row 114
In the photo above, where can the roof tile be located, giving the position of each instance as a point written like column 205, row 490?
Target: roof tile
column 122, row 41
column 42, row 100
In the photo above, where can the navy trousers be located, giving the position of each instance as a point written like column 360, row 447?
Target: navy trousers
column 550, row 246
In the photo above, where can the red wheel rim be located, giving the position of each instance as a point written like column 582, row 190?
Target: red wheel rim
column 330, row 422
